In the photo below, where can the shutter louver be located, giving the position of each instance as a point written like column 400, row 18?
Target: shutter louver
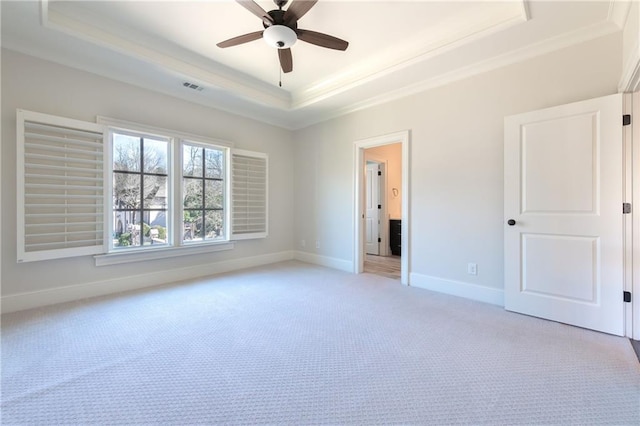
column 61, row 187
column 248, row 195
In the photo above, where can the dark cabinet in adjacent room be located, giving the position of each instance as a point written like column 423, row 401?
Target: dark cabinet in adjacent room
column 395, row 237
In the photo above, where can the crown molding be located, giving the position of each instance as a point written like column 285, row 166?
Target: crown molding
column 451, row 37
column 630, row 81
column 524, row 10
column 514, row 57
column 296, row 104
column 122, row 44
column 466, row 33
column 618, row 12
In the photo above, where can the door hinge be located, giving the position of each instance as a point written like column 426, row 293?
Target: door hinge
column 379, row 173
column 626, row 119
column 626, row 296
column 379, row 239
column 626, row 208
column 379, row 206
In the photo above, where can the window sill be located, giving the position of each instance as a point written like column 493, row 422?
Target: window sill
column 129, row 256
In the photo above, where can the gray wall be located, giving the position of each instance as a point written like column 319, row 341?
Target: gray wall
column 36, row 85
column 456, row 161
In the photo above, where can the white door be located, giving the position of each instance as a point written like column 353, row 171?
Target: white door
column 563, row 214
column 373, row 209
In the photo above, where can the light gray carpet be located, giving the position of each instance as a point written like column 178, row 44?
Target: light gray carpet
column 293, row 343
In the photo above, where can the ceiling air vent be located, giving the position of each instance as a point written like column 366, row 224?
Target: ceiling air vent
column 192, row 86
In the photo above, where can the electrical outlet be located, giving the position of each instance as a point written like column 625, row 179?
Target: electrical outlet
column 317, row 244
column 303, row 243
column 472, row 269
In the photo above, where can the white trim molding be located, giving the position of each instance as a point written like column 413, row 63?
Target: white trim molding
column 126, row 125
column 35, row 299
column 448, row 38
column 618, row 12
column 467, row 28
column 329, row 262
column 627, row 220
column 143, row 254
column 634, row 285
column 358, row 213
column 630, row 79
column 471, row 291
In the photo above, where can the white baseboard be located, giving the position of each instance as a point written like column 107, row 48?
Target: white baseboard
column 329, row 262
column 458, row 288
column 22, row 301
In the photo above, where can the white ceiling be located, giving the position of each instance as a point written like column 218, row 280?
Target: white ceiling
column 395, row 47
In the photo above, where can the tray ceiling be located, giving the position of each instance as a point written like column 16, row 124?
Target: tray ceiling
column 395, row 47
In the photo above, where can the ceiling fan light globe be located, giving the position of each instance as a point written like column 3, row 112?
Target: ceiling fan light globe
column 280, row 36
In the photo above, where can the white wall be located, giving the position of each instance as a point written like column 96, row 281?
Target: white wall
column 392, row 155
column 456, row 163
column 456, row 167
column 42, row 86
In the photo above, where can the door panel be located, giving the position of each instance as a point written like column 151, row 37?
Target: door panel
column 567, row 259
column 563, row 188
column 372, row 232
column 549, row 185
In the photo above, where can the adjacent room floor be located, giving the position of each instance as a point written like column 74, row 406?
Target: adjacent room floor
column 293, row 343
column 386, row 266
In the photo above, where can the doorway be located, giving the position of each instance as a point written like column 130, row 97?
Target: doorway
column 393, row 205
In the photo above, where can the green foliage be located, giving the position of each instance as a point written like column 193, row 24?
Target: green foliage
column 190, row 216
column 162, row 232
column 145, row 229
column 124, row 239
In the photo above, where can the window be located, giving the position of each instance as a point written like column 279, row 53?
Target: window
column 203, row 193
column 139, row 193
column 140, row 190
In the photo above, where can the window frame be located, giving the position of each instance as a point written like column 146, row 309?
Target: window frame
column 104, row 253
column 110, row 172
column 226, row 237
column 175, row 246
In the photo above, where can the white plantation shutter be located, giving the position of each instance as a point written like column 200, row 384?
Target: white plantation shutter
column 249, row 183
column 60, row 175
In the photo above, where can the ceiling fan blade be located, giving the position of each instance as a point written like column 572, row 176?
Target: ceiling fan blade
column 286, row 61
column 254, row 8
column 322, row 40
column 297, row 10
column 240, row 39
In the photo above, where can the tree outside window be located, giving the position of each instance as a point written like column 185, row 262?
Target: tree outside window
column 203, row 193
column 140, row 191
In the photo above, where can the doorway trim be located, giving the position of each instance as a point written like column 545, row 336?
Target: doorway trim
column 402, row 137
column 632, row 237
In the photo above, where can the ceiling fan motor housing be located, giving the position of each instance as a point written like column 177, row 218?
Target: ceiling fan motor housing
column 279, row 36
column 278, row 19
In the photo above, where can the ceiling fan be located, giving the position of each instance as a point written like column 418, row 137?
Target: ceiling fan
column 281, row 30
